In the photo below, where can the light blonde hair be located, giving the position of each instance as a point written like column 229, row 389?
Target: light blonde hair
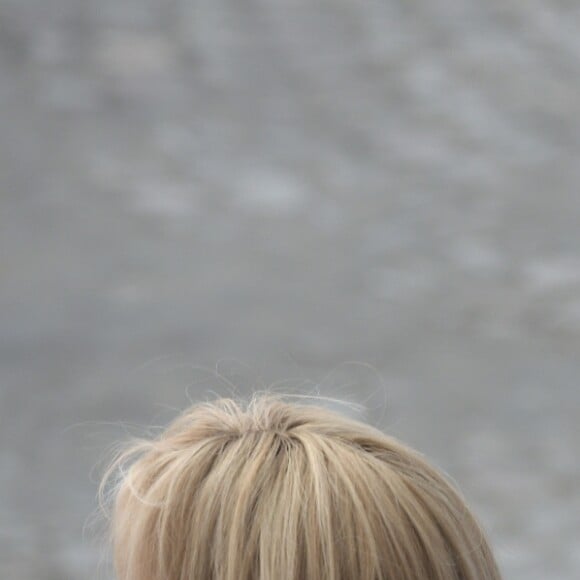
column 275, row 490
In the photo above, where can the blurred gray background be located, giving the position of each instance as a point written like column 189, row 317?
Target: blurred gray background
column 376, row 201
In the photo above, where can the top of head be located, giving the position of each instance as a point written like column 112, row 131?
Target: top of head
column 274, row 490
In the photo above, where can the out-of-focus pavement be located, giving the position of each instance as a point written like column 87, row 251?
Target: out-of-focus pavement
column 275, row 188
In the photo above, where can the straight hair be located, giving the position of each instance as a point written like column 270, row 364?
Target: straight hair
column 276, row 490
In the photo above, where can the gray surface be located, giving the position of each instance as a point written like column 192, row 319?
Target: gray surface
column 272, row 189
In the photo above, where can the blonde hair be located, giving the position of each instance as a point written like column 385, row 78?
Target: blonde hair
column 273, row 490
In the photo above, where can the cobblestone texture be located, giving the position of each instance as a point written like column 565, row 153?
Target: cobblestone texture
column 201, row 192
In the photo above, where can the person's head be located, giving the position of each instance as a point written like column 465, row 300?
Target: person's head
column 274, row 490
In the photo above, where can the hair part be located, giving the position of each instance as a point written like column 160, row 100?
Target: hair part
column 273, row 490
